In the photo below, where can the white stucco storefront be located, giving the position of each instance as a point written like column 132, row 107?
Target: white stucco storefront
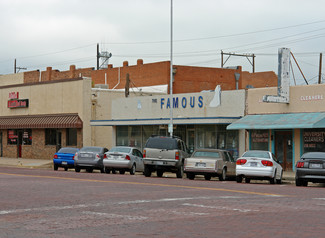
column 196, row 119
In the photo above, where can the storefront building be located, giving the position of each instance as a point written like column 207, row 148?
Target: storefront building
column 39, row 118
column 200, row 119
column 288, row 130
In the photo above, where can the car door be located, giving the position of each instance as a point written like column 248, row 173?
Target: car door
column 231, row 164
column 139, row 162
column 278, row 166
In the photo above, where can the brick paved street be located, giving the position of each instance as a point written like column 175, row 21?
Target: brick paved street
column 46, row 203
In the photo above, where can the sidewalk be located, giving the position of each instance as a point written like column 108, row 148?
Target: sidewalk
column 288, row 176
column 26, row 163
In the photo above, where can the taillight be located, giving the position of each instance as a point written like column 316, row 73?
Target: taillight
column 127, row 157
column 267, row 163
column 176, row 155
column 241, row 161
column 300, row 165
column 105, row 156
column 97, row 156
column 75, row 156
column 55, row 157
column 144, row 153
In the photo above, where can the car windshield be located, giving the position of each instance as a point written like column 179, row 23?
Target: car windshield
column 68, row 150
column 120, row 149
column 211, row 154
column 257, row 154
column 91, row 149
column 162, row 143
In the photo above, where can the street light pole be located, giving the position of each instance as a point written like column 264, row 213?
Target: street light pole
column 170, row 126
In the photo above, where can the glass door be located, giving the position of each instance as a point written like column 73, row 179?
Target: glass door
column 283, row 148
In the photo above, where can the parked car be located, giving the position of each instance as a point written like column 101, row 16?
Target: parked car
column 123, row 158
column 210, row 163
column 258, row 164
column 162, row 153
column 64, row 158
column 90, row 158
column 310, row 168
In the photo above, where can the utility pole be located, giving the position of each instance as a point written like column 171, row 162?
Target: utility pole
column 241, row 55
column 320, row 69
column 98, row 56
column 17, row 68
column 105, row 56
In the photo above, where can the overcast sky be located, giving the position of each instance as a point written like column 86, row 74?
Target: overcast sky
column 59, row 33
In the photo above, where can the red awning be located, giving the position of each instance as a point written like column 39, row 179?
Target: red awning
column 41, row 121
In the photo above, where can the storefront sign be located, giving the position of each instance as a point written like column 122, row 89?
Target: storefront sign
column 13, row 95
column 260, row 137
column 313, row 138
column 182, row 102
column 312, row 97
column 18, row 103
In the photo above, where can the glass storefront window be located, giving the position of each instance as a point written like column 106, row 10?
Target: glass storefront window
column 16, row 136
column 122, row 136
column 206, row 136
column 27, row 137
column 259, row 140
column 135, row 136
column 12, row 137
column 50, row 136
column 313, row 140
column 71, row 136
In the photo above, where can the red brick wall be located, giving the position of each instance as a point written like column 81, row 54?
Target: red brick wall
column 259, row 80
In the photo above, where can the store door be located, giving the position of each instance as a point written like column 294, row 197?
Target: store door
column 1, row 148
column 190, row 140
column 283, row 149
column 58, row 140
column 20, row 143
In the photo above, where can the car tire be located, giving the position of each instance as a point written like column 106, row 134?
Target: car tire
column 298, row 182
column 180, row 172
column 113, row 171
column 247, row 180
column 122, row 171
column 107, row 170
column 132, row 171
column 77, row 169
column 191, row 176
column 55, row 167
column 279, row 181
column 160, row 173
column 65, row 168
column 102, row 170
column 207, row 176
column 239, row 179
column 89, row 170
column 223, row 175
column 273, row 180
column 147, row 171
column 305, row 183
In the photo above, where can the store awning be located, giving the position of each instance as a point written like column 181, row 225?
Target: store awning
column 41, row 121
column 280, row 121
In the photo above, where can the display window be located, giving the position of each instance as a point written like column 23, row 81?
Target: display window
column 313, row 140
column 259, row 140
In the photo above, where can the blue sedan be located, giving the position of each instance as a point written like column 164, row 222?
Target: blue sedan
column 64, row 158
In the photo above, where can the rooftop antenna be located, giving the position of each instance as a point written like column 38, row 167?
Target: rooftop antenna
column 104, row 57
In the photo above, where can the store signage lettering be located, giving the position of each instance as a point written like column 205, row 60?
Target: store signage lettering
column 13, row 95
column 260, row 137
column 182, row 102
column 312, row 97
column 312, row 138
column 18, row 103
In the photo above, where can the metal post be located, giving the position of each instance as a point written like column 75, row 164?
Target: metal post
column 320, row 69
column 97, row 56
column 170, row 127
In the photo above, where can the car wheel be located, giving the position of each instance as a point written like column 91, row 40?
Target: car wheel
column 113, row 171
column 298, row 182
column 160, row 173
column 180, row 172
column 207, row 177
column 77, row 169
column 305, row 183
column 223, row 175
column 102, row 170
column 279, row 181
column 147, row 171
column 55, row 167
column 122, row 171
column 107, row 170
column 132, row 171
column 191, row 176
column 89, row 170
column 273, row 180
column 247, row 180
column 66, row 169
column 239, row 179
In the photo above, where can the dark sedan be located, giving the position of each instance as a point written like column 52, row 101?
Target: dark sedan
column 90, row 158
column 310, row 168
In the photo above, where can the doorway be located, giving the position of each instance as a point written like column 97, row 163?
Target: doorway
column 190, row 139
column 283, row 149
column 19, row 143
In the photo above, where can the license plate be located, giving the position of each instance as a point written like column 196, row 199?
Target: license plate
column 160, row 163
column 200, row 165
column 253, row 164
column 64, row 162
column 86, row 155
column 316, row 166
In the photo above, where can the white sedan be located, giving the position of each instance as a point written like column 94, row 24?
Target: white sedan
column 258, row 164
